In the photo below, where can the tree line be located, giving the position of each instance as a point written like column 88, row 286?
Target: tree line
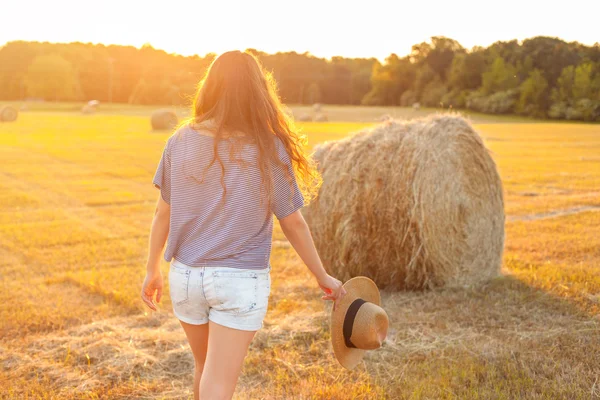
column 542, row 77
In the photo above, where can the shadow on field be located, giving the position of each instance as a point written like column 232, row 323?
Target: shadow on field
column 504, row 340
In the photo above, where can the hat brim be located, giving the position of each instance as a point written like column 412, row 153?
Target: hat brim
column 358, row 287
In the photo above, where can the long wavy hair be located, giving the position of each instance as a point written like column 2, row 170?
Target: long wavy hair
column 238, row 98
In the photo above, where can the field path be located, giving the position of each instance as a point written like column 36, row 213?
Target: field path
column 553, row 214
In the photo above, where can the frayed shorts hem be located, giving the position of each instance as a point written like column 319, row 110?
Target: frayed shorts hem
column 233, row 325
column 190, row 321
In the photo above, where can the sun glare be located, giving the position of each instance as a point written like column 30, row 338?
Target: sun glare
column 323, row 28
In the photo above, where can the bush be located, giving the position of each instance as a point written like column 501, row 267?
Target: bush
column 558, row 110
column 573, row 114
column 497, row 103
column 582, row 110
column 456, row 98
column 373, row 98
column 588, row 110
column 432, row 94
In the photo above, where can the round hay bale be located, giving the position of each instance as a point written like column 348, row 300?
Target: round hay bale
column 416, row 106
column 384, row 117
column 86, row 109
column 305, row 117
column 412, row 205
column 317, row 107
column 321, row 117
column 8, row 114
column 164, row 120
column 288, row 111
column 93, row 103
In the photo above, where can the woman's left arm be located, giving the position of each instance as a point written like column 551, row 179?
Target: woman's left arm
column 158, row 236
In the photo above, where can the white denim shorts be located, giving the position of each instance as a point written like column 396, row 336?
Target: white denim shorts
column 232, row 297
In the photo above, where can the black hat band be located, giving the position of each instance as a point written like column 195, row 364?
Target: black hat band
column 349, row 320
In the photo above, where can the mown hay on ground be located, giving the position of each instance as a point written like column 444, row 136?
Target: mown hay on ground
column 163, row 120
column 8, row 114
column 412, row 205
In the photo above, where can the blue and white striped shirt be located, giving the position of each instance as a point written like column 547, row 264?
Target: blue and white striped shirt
column 207, row 231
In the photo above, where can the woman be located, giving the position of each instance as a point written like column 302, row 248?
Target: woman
column 222, row 177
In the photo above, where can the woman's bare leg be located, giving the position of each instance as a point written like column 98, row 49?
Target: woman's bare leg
column 227, row 349
column 198, row 338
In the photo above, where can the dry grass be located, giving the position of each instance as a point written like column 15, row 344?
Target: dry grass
column 71, row 325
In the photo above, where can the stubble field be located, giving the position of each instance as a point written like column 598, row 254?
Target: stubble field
column 76, row 202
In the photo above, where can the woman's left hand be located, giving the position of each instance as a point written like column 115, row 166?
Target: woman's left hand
column 152, row 284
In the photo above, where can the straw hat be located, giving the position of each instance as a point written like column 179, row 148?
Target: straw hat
column 358, row 323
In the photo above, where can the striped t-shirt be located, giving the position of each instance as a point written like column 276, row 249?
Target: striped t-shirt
column 207, row 231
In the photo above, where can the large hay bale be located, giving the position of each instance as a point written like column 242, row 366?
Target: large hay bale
column 164, row 119
column 8, row 114
column 412, row 205
column 317, row 107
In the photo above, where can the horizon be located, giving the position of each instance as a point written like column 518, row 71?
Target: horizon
column 315, row 28
column 328, row 57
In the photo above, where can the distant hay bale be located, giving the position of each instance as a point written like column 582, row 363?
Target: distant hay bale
column 86, row 109
column 8, row 114
column 304, row 117
column 384, row 117
column 164, row 120
column 288, row 111
column 321, row 117
column 317, row 107
column 412, row 205
column 90, row 107
column 416, row 106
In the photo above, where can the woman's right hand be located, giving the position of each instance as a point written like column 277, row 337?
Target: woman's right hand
column 332, row 287
column 152, row 284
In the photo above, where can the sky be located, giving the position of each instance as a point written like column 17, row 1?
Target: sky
column 325, row 28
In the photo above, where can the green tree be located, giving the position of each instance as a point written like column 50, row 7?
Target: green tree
column 15, row 57
column 582, row 82
column 443, row 51
column 424, row 76
column 534, row 95
column 563, row 91
column 499, row 77
column 51, row 77
column 433, row 92
column 551, row 55
column 466, row 71
column 575, row 83
column 381, row 87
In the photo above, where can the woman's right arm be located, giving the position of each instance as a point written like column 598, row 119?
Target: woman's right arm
column 296, row 230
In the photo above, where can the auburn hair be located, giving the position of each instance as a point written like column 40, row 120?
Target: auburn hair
column 238, row 98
